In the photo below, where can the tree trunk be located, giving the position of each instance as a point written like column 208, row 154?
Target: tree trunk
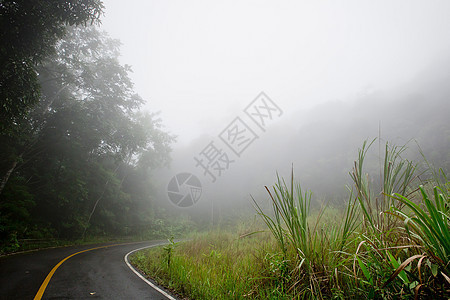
column 96, row 203
column 16, row 161
column 8, row 174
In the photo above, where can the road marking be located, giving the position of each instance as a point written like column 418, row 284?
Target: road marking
column 41, row 291
column 142, row 277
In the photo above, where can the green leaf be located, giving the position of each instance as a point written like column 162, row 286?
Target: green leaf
column 396, row 264
column 364, row 270
column 434, row 270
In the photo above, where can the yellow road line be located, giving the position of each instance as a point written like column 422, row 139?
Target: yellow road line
column 41, row 291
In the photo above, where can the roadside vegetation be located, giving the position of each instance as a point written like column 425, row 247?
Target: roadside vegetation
column 157, row 230
column 392, row 241
column 77, row 149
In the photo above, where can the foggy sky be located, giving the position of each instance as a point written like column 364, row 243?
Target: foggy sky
column 199, row 62
column 341, row 72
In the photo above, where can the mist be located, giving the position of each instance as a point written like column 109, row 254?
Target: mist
column 342, row 73
column 201, row 62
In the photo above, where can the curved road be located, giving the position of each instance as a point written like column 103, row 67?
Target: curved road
column 95, row 274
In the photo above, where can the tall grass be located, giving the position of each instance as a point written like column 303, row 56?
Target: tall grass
column 291, row 229
column 428, row 224
column 367, row 250
column 397, row 176
column 392, row 241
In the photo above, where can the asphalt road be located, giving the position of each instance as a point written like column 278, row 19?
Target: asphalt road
column 97, row 274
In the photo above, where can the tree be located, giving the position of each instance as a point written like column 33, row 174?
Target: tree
column 29, row 31
column 85, row 142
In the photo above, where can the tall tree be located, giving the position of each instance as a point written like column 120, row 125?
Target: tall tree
column 29, row 31
column 86, row 140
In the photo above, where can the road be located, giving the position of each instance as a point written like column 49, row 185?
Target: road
column 101, row 273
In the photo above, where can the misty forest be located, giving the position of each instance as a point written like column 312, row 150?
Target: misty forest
column 342, row 198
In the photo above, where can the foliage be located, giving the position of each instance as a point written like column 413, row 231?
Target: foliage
column 29, row 32
column 429, row 223
column 397, row 176
column 86, row 152
column 290, row 227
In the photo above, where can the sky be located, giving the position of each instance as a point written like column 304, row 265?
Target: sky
column 201, row 62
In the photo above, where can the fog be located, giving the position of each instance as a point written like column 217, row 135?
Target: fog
column 341, row 73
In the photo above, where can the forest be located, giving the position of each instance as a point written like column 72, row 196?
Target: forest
column 76, row 149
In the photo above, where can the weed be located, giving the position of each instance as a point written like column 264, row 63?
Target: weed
column 169, row 250
column 386, row 245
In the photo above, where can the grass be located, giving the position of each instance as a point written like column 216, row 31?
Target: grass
column 388, row 244
column 216, row 265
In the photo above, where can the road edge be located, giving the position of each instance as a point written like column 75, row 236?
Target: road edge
column 154, row 286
